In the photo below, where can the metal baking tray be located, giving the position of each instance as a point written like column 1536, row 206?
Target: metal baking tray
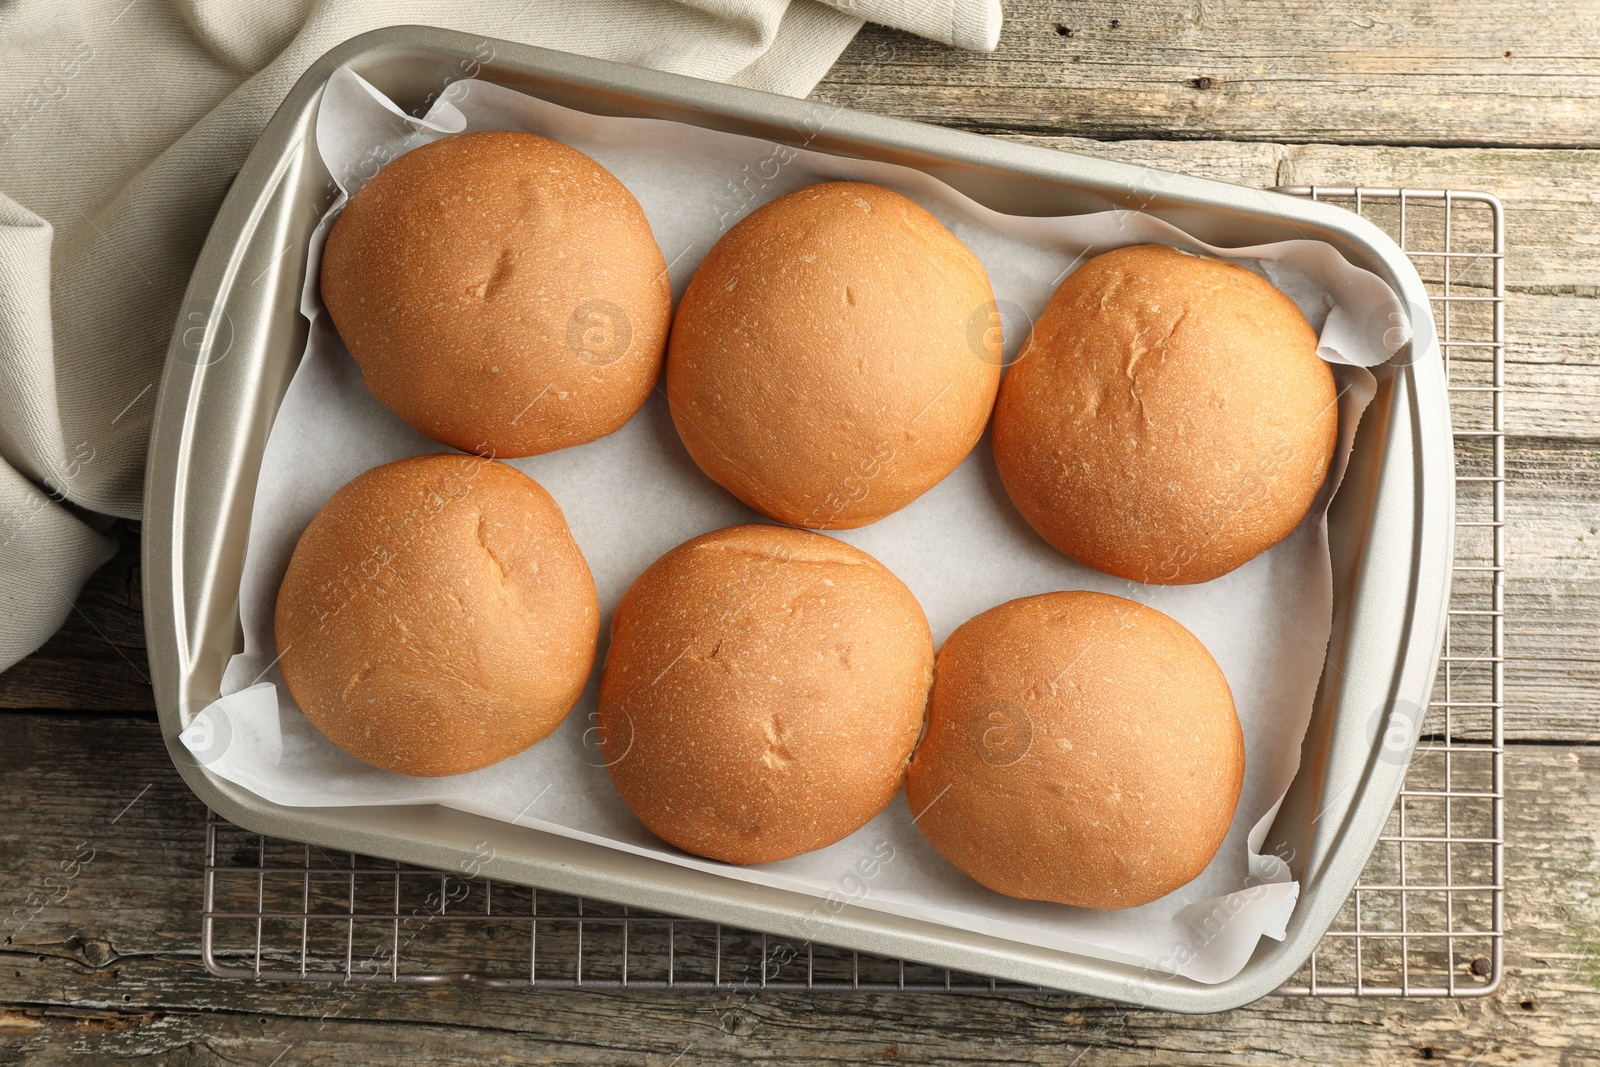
column 239, row 337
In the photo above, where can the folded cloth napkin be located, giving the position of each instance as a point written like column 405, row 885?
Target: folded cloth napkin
column 122, row 123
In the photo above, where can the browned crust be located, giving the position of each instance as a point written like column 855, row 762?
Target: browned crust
column 1081, row 748
column 1169, row 418
column 501, row 292
column 437, row 616
column 763, row 692
column 834, row 357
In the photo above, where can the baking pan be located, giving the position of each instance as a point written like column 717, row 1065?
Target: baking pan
column 239, row 337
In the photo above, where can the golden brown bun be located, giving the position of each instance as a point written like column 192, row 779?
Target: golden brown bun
column 501, row 292
column 1169, row 418
column 1081, row 748
column 763, row 692
column 437, row 616
column 835, row 356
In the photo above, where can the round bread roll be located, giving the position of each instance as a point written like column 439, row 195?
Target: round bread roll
column 1168, row 419
column 1081, row 748
column 501, row 292
column 437, row 616
column 835, row 356
column 763, row 692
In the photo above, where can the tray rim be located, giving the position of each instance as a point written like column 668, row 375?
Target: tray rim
column 573, row 866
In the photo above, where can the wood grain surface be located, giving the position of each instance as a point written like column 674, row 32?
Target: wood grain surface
column 1522, row 72
column 111, row 969
column 1503, row 97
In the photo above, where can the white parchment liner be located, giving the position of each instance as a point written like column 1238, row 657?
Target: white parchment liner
column 962, row 548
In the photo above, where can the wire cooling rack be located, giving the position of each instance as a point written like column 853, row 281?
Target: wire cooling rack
column 1425, row 920
column 1427, row 917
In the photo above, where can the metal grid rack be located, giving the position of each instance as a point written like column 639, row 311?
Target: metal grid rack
column 1427, row 917
column 1425, row 920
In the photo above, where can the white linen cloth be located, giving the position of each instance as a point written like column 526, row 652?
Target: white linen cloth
column 122, row 123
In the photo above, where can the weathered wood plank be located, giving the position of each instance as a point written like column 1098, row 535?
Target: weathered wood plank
column 1552, row 204
column 1553, row 590
column 1518, row 73
column 97, row 660
column 111, row 970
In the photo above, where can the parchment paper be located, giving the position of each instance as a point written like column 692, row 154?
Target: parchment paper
column 962, row 548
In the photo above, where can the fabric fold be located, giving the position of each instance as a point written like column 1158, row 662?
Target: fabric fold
column 46, row 554
column 969, row 24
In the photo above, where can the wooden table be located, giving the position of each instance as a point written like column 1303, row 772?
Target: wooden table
column 1497, row 96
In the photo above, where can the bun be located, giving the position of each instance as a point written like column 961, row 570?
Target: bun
column 501, row 292
column 836, row 355
column 1169, row 418
column 1081, row 749
column 437, row 616
column 763, row 692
